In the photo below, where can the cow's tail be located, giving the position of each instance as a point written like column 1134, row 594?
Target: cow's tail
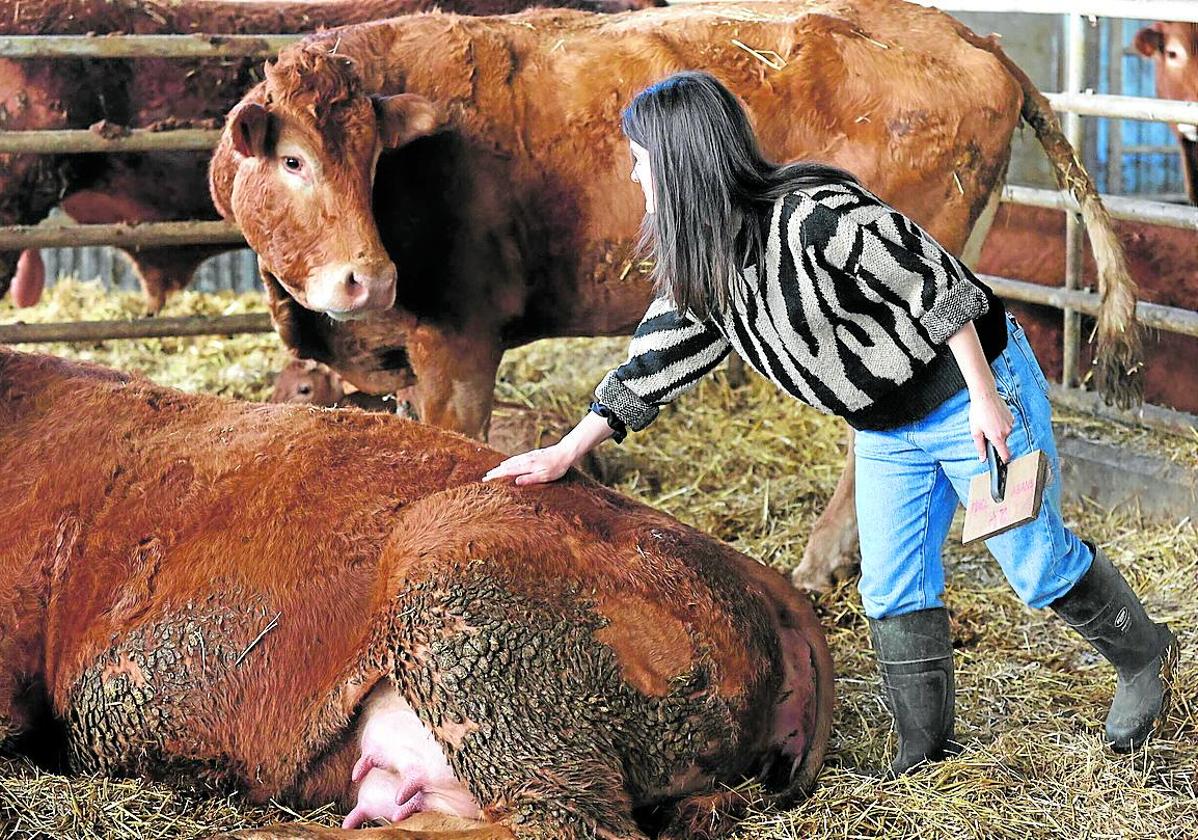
column 1118, row 356
column 787, row 782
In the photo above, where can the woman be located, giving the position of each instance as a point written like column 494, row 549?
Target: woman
column 850, row 307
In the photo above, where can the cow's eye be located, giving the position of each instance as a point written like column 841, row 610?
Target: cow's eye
column 304, row 389
column 293, row 164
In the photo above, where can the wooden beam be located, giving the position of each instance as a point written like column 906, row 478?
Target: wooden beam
column 147, row 234
column 86, row 331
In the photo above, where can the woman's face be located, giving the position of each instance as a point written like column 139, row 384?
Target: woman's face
column 641, row 173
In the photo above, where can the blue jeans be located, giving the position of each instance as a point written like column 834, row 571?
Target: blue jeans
column 910, row 479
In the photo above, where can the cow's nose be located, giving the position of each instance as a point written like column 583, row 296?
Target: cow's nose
column 381, row 286
column 354, row 291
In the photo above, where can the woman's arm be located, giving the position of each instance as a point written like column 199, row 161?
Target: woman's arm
column 989, row 417
column 896, row 260
column 889, row 253
column 668, row 355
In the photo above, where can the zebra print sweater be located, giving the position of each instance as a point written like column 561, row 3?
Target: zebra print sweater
column 849, row 311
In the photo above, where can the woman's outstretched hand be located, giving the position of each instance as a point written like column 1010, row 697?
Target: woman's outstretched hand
column 550, row 463
column 539, row 466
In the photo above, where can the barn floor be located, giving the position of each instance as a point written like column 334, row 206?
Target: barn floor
column 755, row 469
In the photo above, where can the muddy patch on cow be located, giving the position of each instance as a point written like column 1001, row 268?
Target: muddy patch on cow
column 151, row 692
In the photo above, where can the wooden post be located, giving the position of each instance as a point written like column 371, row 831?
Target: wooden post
column 143, row 46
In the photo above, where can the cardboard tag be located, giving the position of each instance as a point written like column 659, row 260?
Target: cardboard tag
column 1019, row 490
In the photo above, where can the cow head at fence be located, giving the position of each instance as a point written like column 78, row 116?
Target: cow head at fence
column 295, row 168
column 1173, row 48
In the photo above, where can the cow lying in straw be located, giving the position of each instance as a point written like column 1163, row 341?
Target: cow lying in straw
column 328, row 605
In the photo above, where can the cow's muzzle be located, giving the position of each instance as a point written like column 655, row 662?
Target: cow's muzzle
column 346, row 292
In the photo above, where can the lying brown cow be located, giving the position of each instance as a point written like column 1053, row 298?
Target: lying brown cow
column 501, row 211
column 160, row 186
column 1172, row 46
column 514, row 428
column 317, row 596
column 1028, row 243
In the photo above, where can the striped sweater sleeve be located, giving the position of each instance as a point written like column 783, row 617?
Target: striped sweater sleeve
column 894, row 257
column 669, row 353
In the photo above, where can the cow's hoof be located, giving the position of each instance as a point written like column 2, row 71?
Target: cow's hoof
column 822, row 569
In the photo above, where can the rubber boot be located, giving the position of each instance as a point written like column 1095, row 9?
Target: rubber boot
column 915, row 655
column 1105, row 611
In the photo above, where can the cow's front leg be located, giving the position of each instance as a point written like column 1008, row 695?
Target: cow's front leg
column 455, row 379
column 832, row 551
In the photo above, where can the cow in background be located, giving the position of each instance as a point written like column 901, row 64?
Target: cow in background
column 1172, row 48
column 1028, row 243
column 40, row 94
column 514, row 428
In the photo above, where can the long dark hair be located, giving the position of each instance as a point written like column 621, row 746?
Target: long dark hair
column 710, row 184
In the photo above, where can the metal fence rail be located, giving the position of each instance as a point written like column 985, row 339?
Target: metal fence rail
column 1154, row 315
column 1182, row 10
column 1120, row 207
column 1125, row 107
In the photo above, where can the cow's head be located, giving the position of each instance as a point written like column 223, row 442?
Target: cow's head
column 295, row 169
column 1174, row 49
column 307, row 382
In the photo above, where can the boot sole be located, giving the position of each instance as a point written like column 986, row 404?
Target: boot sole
column 1169, row 659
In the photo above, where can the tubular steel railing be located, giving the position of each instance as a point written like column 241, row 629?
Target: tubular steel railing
column 1075, row 103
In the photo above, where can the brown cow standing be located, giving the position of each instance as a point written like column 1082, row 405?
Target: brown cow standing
column 1028, row 243
column 158, row 186
column 318, row 593
column 501, row 199
column 1172, row 47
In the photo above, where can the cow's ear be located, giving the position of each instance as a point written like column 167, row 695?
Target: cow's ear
column 1150, row 41
column 405, row 117
column 247, row 128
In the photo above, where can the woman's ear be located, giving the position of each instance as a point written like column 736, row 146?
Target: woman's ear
column 405, row 117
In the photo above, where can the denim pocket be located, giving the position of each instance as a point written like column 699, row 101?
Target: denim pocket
column 1019, row 338
column 1006, row 382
